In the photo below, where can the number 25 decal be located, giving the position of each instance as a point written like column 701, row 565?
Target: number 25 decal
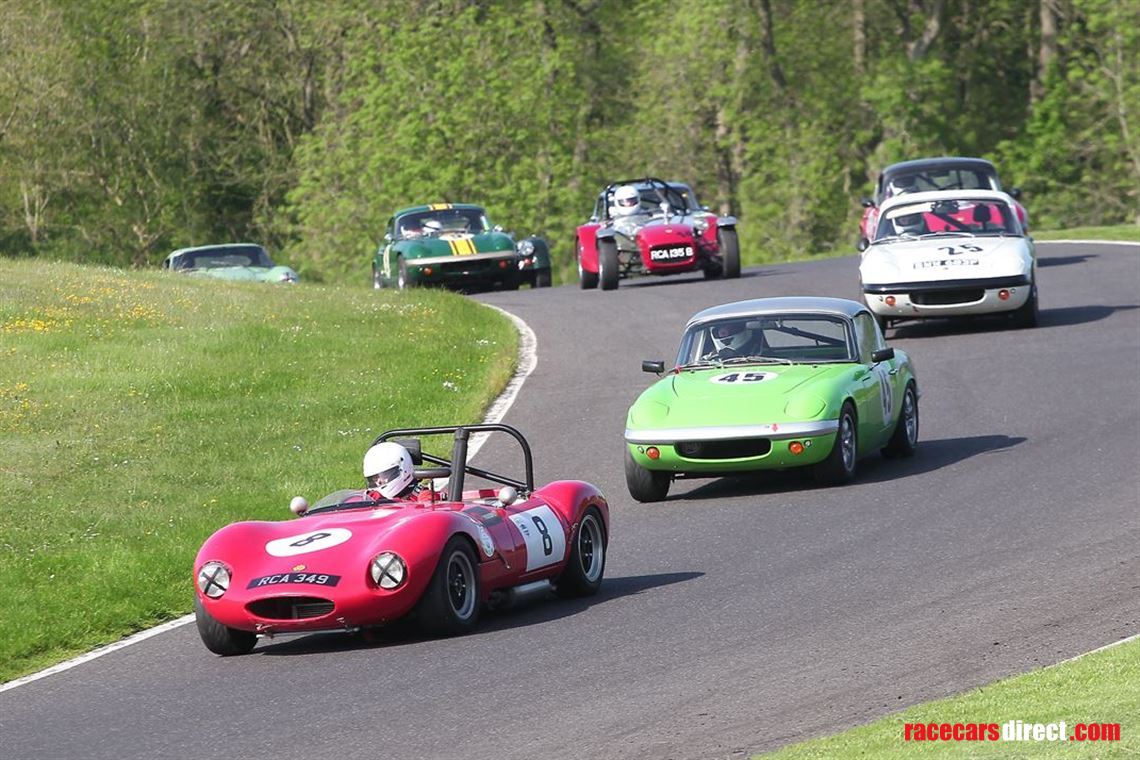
column 951, row 250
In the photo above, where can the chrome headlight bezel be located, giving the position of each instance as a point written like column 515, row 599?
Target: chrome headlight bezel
column 214, row 579
column 388, row 571
column 525, row 248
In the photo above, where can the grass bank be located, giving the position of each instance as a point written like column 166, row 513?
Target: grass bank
column 1103, row 687
column 139, row 412
column 1117, row 232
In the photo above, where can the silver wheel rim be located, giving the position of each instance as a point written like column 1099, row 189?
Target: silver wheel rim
column 401, row 280
column 460, row 585
column 910, row 417
column 847, row 442
column 376, row 279
column 591, row 548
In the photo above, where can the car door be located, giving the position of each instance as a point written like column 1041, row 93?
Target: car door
column 874, row 396
column 542, row 532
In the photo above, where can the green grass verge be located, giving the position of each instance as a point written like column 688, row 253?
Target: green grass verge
column 1117, row 232
column 1099, row 688
column 140, row 412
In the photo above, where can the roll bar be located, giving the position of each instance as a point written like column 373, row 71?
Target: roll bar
column 459, row 454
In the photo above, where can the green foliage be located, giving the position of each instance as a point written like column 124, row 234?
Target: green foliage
column 133, row 424
column 129, row 127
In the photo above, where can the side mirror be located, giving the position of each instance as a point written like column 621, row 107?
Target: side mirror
column 656, row 367
column 498, row 228
column 882, row 355
column 1015, row 193
column 508, row 495
column 863, row 244
column 704, row 208
column 866, row 202
column 414, row 448
column 299, row 505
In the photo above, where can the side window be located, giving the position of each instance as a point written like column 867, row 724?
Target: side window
column 868, row 336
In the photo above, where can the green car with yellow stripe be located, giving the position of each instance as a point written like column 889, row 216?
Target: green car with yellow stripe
column 455, row 245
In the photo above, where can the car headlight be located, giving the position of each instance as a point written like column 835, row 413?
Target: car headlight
column 700, row 224
column 526, row 248
column 388, row 570
column 213, row 579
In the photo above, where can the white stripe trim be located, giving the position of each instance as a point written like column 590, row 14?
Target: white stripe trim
column 527, row 361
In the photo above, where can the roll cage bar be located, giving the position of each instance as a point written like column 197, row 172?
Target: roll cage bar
column 663, row 187
column 459, row 454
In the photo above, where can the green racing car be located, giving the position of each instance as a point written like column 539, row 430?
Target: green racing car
column 769, row 384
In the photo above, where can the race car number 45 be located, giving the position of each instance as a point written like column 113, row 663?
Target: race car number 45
column 676, row 252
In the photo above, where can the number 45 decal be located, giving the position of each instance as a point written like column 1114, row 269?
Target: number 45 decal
column 965, row 247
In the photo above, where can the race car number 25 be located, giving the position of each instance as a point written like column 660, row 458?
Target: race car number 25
column 543, row 534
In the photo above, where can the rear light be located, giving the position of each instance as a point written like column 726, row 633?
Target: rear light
column 427, row 271
column 1003, row 295
column 890, row 300
column 502, row 265
column 652, row 452
column 796, row 448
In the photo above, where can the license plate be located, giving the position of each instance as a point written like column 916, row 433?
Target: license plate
column 667, row 254
column 316, row 579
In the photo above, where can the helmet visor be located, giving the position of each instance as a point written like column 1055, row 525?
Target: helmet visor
column 380, row 478
column 627, row 202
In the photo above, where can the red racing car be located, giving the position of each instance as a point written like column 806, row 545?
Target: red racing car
column 355, row 559
column 649, row 226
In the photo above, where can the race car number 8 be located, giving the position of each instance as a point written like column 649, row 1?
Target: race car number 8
column 303, row 543
column 543, row 534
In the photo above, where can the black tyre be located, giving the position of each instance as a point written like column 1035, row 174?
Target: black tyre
column 218, row 638
column 904, row 440
column 643, row 484
column 377, row 278
column 607, row 264
column 713, row 270
column 839, row 467
column 882, row 322
column 587, row 563
column 729, row 246
column 542, row 278
column 402, row 282
column 586, row 280
column 1026, row 314
column 450, row 604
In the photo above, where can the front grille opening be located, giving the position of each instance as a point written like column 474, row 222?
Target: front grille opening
column 945, row 297
column 737, row 449
column 290, row 607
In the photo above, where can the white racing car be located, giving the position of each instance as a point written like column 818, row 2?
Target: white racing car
column 949, row 253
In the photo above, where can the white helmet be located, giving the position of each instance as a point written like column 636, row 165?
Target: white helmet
column 731, row 335
column 626, row 200
column 388, row 469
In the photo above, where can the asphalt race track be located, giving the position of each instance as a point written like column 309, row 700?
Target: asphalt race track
column 741, row 614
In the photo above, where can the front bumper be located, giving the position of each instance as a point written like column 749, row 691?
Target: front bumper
column 948, row 298
column 456, row 270
column 732, row 448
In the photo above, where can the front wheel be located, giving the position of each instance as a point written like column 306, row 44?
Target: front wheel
column 904, row 440
column 450, row 604
column 402, row 281
column 586, row 280
column 1026, row 314
column 218, row 638
column 645, row 485
column 587, row 563
column 377, row 278
column 542, row 278
column 729, row 245
column 607, row 264
column 839, row 467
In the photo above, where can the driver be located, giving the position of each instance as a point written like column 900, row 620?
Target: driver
column 388, row 471
column 730, row 339
column 626, row 209
column 911, row 224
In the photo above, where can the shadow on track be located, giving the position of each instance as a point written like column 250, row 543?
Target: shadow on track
column 1063, row 261
column 1057, row 317
column 536, row 607
column 931, row 455
column 1079, row 315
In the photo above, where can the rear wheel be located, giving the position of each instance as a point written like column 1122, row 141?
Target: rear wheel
column 587, row 563
column 1026, row 314
column 218, row 638
column 839, row 467
column 904, row 440
column 586, row 280
column 729, row 246
column 450, row 604
column 607, row 264
column 645, row 485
